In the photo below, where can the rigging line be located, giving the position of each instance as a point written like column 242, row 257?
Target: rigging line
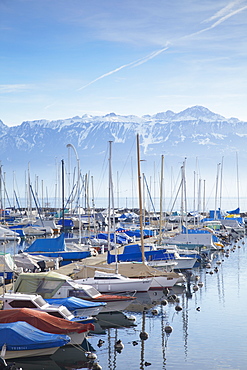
column 16, row 186
column 173, row 191
column 127, row 158
column 150, row 197
column 103, row 172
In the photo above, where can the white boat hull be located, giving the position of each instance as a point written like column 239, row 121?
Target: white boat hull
column 77, row 338
column 182, row 263
column 117, row 286
column 161, row 282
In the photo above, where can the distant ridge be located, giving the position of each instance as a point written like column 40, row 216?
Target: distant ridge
column 195, row 132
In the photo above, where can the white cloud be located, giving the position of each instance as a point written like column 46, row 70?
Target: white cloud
column 14, row 88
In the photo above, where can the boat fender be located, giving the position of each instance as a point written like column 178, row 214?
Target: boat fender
column 96, row 366
column 91, row 355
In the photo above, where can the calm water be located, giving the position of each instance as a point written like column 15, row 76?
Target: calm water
column 210, row 332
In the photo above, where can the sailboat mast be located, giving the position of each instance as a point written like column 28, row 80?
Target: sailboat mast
column 161, row 196
column 140, row 197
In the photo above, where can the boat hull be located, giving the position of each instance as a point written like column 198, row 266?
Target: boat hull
column 106, row 286
column 30, row 353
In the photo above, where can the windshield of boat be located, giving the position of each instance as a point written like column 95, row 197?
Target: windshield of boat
column 88, row 292
column 47, row 287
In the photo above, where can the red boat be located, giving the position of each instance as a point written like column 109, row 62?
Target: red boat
column 48, row 323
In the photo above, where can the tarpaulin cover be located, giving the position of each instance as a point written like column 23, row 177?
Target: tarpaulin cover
column 43, row 321
column 47, row 245
column 19, row 336
column 73, row 303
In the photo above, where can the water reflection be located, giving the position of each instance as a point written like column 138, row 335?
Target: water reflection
column 210, row 312
column 69, row 357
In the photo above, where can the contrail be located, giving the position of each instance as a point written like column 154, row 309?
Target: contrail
column 222, row 16
column 133, row 64
column 224, row 10
column 218, row 22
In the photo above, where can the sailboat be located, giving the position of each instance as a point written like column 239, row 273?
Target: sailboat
column 105, row 281
column 160, row 279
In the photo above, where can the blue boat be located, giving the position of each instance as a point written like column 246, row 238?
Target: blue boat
column 133, row 253
column 20, row 339
column 56, row 247
column 78, row 306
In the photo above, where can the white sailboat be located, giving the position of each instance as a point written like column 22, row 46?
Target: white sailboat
column 114, row 282
column 160, row 279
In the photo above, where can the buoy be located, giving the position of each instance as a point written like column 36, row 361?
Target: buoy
column 164, row 302
column 216, row 269
column 200, row 284
column 134, row 343
column 155, row 312
column 178, row 308
column 208, row 265
column 196, row 277
column 195, row 288
column 172, row 298
column 100, row 343
column 119, row 345
column 168, row 329
column 198, row 308
column 218, row 262
column 211, row 272
column 147, row 363
column 166, row 291
column 143, row 335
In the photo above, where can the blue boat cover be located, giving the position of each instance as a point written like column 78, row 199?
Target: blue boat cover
column 234, row 212
column 73, row 303
column 120, row 239
column 194, row 231
column 133, row 253
column 47, row 245
column 20, row 336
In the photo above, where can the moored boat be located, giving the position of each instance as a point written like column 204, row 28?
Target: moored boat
column 47, row 323
column 20, row 339
column 106, row 282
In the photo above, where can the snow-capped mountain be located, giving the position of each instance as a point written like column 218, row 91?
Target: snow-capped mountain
column 195, row 133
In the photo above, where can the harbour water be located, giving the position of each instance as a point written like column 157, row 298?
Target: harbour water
column 208, row 329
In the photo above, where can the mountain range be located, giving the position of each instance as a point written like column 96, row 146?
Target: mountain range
column 202, row 137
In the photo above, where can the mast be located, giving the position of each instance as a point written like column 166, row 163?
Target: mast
column 77, row 192
column 111, row 203
column 161, row 195
column 63, row 194
column 140, row 197
column 237, row 178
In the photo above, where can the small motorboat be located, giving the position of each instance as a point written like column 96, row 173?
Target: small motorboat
column 48, row 323
column 20, row 339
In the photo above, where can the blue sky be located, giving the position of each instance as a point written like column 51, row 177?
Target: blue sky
column 60, row 59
